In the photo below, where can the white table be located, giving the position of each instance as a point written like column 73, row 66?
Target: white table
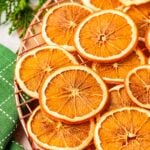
column 13, row 42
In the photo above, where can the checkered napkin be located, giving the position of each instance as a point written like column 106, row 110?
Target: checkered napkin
column 8, row 113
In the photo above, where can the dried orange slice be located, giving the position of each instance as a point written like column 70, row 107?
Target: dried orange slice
column 60, row 23
column 35, row 65
column 106, row 36
column 73, row 94
column 52, row 135
column 116, row 72
column 119, row 98
column 133, row 2
column 147, row 39
column 137, row 85
column 141, row 16
column 142, row 45
column 123, row 129
column 91, row 146
column 149, row 60
column 102, row 4
column 81, row 60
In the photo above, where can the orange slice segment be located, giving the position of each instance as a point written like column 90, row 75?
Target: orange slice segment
column 123, row 129
column 141, row 16
column 147, row 39
column 102, row 4
column 149, row 60
column 116, row 72
column 119, row 98
column 52, row 135
column 106, row 36
column 133, row 2
column 73, row 94
column 91, row 146
column 60, row 23
column 82, row 61
column 35, row 65
column 142, row 45
column 137, row 84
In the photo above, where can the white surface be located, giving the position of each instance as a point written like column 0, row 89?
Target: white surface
column 13, row 42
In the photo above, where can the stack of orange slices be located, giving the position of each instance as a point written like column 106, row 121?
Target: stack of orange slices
column 95, row 65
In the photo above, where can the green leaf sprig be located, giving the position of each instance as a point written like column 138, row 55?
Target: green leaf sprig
column 19, row 13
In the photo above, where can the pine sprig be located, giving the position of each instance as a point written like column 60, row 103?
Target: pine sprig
column 19, row 12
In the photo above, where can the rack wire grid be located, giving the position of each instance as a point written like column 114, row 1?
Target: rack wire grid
column 33, row 39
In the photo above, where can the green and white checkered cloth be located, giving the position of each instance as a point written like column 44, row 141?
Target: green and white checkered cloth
column 8, row 112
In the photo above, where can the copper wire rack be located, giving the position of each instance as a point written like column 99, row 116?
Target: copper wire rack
column 33, row 39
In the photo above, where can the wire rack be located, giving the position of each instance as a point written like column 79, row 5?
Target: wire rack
column 33, row 39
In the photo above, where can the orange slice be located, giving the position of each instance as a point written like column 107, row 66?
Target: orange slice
column 73, row 94
column 102, row 4
column 60, row 23
column 82, row 61
column 142, row 45
column 119, row 98
column 123, row 129
column 149, row 60
column 52, row 135
column 147, row 39
column 106, row 36
column 133, row 2
column 116, row 72
column 35, row 65
column 91, row 146
column 141, row 16
column 137, row 85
